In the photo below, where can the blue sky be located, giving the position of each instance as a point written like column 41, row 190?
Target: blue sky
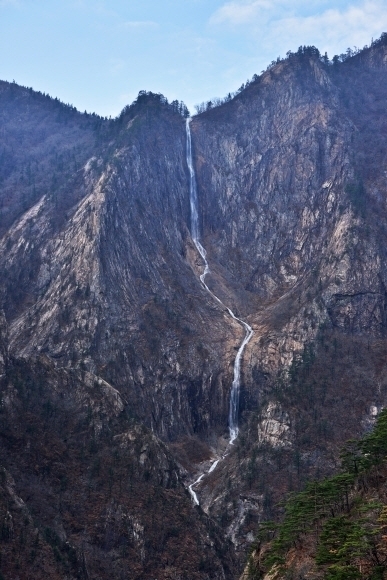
column 98, row 54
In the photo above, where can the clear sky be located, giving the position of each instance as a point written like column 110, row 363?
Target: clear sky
column 97, row 54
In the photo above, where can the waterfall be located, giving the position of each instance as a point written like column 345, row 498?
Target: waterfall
column 195, row 234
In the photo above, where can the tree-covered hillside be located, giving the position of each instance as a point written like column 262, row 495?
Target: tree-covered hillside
column 335, row 528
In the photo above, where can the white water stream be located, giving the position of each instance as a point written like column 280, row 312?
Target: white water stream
column 235, row 387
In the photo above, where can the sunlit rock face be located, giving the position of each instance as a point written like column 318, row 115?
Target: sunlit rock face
column 101, row 278
column 100, row 271
column 292, row 190
column 3, row 344
column 106, row 285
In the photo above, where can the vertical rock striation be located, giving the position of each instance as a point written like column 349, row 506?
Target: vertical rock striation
column 100, row 289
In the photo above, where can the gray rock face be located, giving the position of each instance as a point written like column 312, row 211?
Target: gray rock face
column 271, row 177
column 100, row 274
column 290, row 211
column 3, row 343
column 92, row 493
column 113, row 285
column 110, row 288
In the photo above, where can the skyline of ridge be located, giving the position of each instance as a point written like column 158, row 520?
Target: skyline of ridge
column 98, row 55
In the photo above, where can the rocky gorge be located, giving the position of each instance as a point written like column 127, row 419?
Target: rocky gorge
column 116, row 362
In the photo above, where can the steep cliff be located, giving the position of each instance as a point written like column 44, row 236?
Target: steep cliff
column 100, row 287
column 293, row 193
column 86, row 492
column 291, row 183
column 107, row 285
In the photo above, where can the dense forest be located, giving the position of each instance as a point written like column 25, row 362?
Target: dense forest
column 336, row 528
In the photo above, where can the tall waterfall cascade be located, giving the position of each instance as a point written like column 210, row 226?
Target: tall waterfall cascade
column 195, row 234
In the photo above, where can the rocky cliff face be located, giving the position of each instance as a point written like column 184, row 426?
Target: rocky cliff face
column 289, row 201
column 294, row 214
column 109, row 287
column 101, row 281
column 86, row 492
column 3, row 344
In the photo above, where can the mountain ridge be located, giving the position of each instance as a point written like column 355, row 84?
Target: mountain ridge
column 101, row 282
